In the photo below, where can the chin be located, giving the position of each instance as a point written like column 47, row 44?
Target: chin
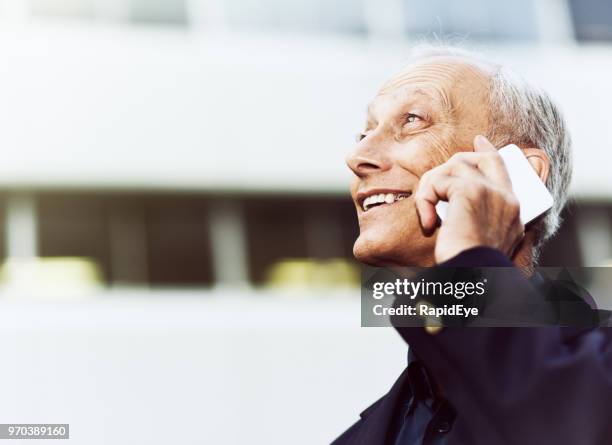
column 393, row 249
column 371, row 253
column 393, row 252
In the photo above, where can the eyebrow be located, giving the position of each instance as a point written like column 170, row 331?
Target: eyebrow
column 417, row 92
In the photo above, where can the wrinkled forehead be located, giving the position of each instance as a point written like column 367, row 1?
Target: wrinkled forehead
column 449, row 84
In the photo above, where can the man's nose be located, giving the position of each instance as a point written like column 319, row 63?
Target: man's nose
column 367, row 159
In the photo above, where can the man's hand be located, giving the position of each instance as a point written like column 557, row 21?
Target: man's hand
column 482, row 208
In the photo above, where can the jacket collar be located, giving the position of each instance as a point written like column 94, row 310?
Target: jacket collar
column 378, row 418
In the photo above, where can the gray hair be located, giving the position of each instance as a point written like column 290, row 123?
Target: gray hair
column 523, row 114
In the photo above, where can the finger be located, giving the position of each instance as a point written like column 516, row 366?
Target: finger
column 489, row 164
column 463, row 166
column 426, row 196
column 425, row 200
column 482, row 144
column 427, row 214
column 433, row 187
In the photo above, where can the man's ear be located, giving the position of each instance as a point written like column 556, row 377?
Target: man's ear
column 539, row 161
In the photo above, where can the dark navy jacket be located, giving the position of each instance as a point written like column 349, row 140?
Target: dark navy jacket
column 545, row 385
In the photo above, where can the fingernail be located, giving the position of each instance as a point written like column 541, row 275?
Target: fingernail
column 481, row 140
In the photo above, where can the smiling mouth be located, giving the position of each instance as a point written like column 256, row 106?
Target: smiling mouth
column 382, row 199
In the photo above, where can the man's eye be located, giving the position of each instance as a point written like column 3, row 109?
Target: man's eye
column 360, row 136
column 411, row 118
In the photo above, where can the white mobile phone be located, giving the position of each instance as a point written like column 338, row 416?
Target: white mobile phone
column 533, row 196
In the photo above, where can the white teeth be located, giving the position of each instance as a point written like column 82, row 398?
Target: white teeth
column 367, row 202
column 382, row 198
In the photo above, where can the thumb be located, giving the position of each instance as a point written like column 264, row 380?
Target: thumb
column 482, row 144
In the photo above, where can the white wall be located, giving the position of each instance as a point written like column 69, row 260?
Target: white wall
column 192, row 369
column 100, row 106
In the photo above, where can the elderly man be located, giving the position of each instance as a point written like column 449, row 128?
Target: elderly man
column 432, row 134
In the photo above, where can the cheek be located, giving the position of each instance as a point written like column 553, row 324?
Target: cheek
column 427, row 151
column 354, row 186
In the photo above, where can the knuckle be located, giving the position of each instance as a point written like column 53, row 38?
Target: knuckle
column 425, row 176
column 476, row 188
column 463, row 164
column 429, row 176
column 421, row 192
column 471, row 191
column 492, row 159
column 459, row 156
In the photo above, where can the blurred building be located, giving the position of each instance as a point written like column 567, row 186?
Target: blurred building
column 151, row 146
column 201, row 142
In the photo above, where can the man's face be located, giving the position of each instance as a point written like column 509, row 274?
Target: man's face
column 419, row 119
